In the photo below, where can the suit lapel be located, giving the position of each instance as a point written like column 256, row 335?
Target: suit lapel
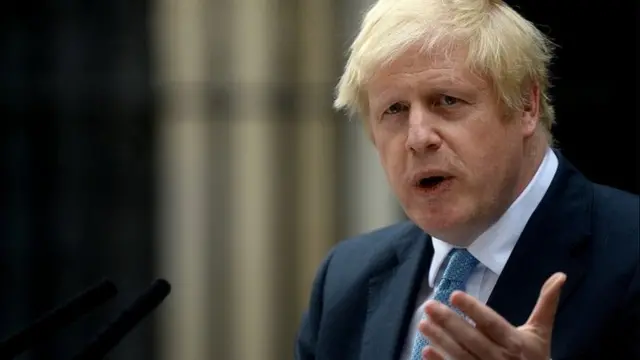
column 552, row 241
column 392, row 290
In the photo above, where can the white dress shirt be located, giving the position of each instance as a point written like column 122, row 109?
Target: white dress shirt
column 492, row 248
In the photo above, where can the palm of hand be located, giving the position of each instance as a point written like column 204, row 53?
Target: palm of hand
column 492, row 337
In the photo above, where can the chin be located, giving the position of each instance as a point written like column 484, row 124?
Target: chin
column 441, row 223
column 435, row 222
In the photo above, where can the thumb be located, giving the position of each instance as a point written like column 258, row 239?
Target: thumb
column 544, row 312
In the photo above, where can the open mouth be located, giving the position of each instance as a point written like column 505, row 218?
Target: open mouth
column 432, row 182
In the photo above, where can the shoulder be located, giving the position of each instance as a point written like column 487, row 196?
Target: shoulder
column 615, row 219
column 621, row 206
column 367, row 247
column 616, row 214
column 377, row 241
column 615, row 225
column 352, row 260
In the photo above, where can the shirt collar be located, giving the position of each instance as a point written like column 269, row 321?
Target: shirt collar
column 493, row 247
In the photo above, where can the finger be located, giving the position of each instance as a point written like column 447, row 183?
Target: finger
column 442, row 342
column 489, row 322
column 431, row 353
column 544, row 313
column 467, row 336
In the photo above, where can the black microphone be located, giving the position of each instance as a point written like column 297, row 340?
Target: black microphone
column 127, row 320
column 57, row 318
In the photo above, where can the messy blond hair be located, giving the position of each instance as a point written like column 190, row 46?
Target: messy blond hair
column 500, row 45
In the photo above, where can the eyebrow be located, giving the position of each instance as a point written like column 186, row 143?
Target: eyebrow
column 388, row 93
column 381, row 98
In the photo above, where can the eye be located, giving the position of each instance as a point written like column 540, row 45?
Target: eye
column 446, row 101
column 395, row 109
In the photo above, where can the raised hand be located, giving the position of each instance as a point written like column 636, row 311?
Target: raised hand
column 492, row 337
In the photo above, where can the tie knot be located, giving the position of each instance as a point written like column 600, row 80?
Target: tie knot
column 460, row 265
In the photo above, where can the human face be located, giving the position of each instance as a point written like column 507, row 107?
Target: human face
column 454, row 157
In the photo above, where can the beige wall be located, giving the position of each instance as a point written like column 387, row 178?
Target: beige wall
column 258, row 176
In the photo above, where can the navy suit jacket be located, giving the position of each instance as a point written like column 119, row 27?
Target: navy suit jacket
column 364, row 294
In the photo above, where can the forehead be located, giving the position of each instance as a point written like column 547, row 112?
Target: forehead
column 416, row 69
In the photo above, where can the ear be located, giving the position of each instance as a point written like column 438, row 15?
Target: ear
column 531, row 111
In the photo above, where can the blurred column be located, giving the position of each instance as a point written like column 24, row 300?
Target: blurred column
column 371, row 203
column 317, row 135
column 184, row 167
column 253, row 136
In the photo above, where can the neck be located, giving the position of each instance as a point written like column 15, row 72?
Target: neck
column 534, row 151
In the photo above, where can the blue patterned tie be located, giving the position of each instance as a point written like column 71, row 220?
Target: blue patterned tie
column 460, row 264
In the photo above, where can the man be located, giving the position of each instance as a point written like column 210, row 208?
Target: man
column 454, row 96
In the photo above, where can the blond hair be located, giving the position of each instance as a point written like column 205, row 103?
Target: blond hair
column 500, row 45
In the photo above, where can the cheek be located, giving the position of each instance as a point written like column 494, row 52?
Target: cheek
column 488, row 158
column 480, row 155
column 392, row 157
column 492, row 161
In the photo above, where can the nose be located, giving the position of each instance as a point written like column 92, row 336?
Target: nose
column 423, row 136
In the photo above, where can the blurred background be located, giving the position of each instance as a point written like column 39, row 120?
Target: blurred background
column 194, row 140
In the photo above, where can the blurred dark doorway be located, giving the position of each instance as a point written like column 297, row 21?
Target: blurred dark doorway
column 595, row 84
column 76, row 162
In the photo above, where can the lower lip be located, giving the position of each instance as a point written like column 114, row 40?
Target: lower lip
column 431, row 190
